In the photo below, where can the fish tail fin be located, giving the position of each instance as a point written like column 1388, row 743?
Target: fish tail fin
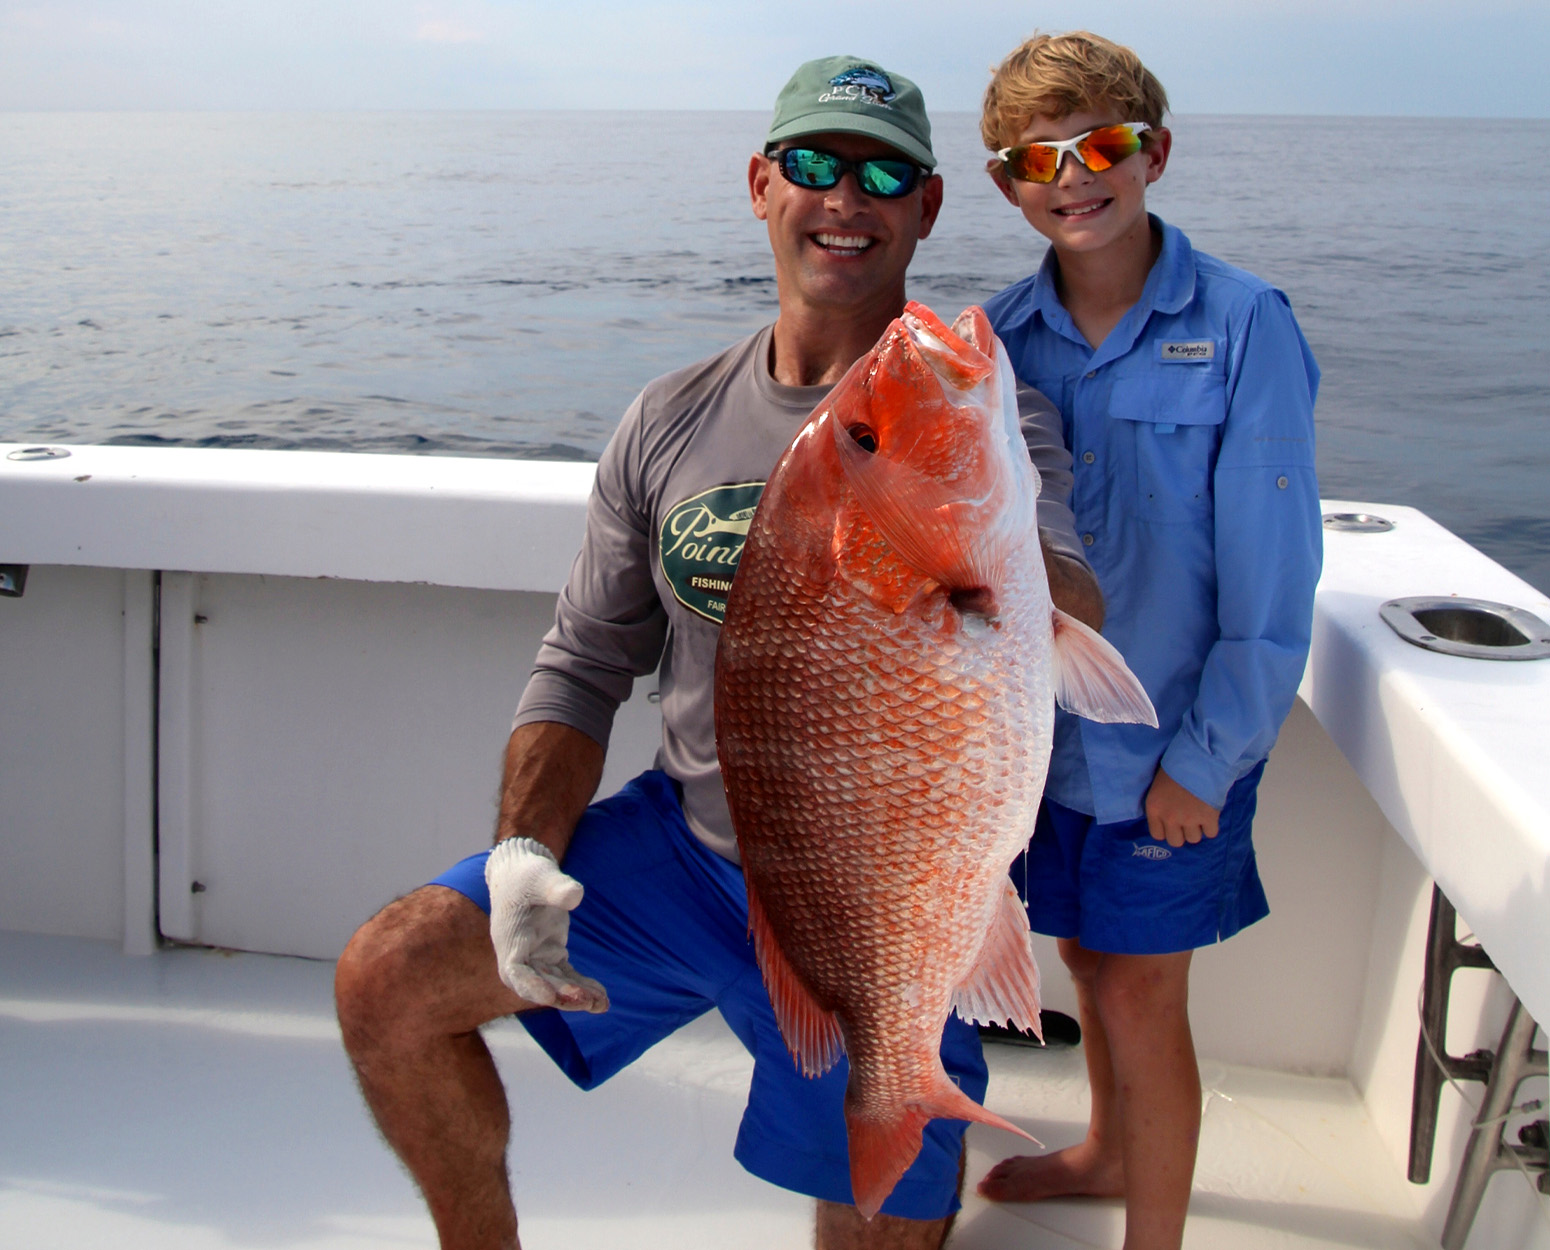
column 1091, row 678
column 881, row 1151
column 811, row 1031
column 1003, row 986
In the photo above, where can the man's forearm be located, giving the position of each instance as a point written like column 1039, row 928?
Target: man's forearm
column 1073, row 588
column 552, row 772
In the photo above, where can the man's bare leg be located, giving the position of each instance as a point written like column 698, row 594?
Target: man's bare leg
column 412, row 989
column 840, row 1227
column 1094, row 1167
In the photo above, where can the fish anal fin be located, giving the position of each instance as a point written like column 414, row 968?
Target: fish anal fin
column 1003, row 987
column 1091, row 678
column 881, row 1150
column 811, row 1031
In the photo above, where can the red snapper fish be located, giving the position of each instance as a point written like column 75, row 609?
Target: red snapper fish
column 885, row 689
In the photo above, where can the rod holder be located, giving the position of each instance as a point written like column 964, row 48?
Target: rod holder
column 1475, row 629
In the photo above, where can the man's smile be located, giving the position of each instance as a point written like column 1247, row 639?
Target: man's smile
column 842, row 244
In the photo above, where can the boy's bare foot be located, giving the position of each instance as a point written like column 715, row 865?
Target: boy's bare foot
column 1076, row 1171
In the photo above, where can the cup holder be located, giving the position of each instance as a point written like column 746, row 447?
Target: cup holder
column 1473, row 628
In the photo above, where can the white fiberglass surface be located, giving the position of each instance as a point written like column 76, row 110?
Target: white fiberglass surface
column 199, row 1099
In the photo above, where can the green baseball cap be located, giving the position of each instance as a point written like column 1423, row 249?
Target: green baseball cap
column 849, row 95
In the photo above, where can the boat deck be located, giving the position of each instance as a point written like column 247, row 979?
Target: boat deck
column 200, row 1099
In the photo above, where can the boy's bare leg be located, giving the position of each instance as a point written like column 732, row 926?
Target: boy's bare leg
column 1144, row 1001
column 412, row 988
column 1142, row 1006
column 1094, row 1167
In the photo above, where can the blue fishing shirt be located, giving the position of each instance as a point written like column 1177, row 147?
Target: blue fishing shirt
column 1191, row 428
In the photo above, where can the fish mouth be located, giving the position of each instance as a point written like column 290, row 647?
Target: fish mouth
column 837, row 244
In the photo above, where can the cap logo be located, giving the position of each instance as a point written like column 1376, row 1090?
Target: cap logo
column 863, row 84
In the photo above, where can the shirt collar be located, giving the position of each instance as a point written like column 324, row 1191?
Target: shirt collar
column 1171, row 284
column 1169, row 288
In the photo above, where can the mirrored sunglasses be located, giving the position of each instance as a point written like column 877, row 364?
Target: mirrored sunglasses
column 1097, row 149
column 884, row 177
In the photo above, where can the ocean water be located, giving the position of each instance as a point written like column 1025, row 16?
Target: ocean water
column 503, row 283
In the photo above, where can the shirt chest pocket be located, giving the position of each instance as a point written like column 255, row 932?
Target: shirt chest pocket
column 1168, row 425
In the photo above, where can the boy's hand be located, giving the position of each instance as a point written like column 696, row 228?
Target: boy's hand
column 1176, row 816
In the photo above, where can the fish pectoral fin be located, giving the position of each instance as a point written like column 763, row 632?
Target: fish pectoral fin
column 811, row 1031
column 939, row 535
column 1091, row 678
column 891, row 585
column 1004, row 985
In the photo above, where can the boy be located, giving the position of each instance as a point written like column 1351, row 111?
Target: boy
column 1186, row 393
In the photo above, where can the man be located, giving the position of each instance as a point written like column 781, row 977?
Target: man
column 846, row 190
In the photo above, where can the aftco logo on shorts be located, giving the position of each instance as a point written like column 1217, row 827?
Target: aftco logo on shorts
column 1150, row 850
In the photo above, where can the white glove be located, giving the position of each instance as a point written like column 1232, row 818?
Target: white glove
column 530, row 905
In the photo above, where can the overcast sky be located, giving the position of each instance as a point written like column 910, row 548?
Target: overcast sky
column 1411, row 57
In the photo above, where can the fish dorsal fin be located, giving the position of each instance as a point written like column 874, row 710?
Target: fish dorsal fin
column 1091, row 678
column 1004, row 985
column 811, row 1032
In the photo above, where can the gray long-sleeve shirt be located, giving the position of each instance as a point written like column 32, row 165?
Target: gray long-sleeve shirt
column 675, row 490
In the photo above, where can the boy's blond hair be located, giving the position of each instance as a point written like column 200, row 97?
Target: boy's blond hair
column 1057, row 75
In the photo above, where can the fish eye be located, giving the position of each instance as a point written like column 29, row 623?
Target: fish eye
column 864, row 436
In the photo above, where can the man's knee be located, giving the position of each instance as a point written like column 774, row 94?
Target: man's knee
column 410, row 961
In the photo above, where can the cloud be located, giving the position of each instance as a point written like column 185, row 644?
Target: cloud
column 1427, row 57
column 447, row 30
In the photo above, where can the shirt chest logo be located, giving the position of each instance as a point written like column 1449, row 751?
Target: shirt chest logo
column 1186, row 352
column 700, row 543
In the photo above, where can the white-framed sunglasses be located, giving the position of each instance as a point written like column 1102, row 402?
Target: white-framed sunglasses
column 1098, row 149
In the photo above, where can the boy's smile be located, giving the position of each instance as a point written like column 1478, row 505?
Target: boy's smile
column 1081, row 211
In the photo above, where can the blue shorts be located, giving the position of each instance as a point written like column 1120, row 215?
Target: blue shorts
column 1116, row 889
column 664, row 926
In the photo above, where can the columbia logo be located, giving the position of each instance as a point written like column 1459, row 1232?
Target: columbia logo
column 1150, row 850
column 1204, row 349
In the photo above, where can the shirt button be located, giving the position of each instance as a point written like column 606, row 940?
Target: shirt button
column 1087, row 540
column 1092, row 373
column 1282, row 483
column 1088, row 457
